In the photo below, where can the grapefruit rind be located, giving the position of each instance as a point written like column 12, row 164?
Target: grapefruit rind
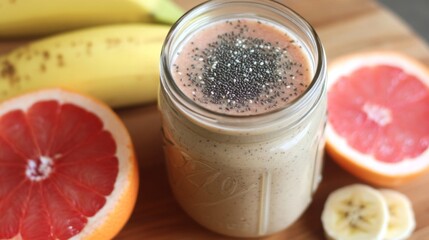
column 364, row 165
column 111, row 218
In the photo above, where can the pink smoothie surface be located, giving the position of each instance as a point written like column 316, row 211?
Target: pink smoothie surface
column 242, row 67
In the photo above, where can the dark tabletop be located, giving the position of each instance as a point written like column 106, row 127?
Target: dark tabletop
column 414, row 12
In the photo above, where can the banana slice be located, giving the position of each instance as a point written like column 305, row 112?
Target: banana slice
column 401, row 222
column 355, row 212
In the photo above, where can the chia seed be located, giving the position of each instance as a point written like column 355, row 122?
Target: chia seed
column 237, row 70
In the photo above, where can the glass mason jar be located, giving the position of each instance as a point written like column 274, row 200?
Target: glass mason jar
column 244, row 176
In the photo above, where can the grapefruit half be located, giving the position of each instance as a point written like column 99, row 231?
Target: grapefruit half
column 67, row 168
column 378, row 123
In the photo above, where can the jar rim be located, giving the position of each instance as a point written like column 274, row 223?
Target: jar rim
column 169, row 86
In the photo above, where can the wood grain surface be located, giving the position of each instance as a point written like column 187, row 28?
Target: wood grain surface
column 344, row 26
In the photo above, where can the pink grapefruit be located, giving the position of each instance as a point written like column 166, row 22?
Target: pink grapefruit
column 67, row 168
column 378, row 124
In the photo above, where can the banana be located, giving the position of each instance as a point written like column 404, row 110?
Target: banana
column 401, row 221
column 117, row 64
column 355, row 212
column 22, row 18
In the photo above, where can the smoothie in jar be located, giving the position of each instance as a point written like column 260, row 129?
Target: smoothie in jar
column 244, row 105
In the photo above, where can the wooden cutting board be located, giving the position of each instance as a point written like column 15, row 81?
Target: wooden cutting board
column 344, row 26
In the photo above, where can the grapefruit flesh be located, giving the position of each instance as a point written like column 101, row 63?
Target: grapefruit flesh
column 378, row 105
column 389, row 109
column 58, row 166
